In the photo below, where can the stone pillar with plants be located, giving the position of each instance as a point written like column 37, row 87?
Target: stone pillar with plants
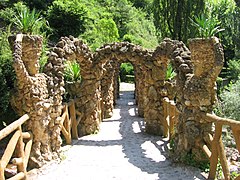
column 32, row 95
column 199, row 92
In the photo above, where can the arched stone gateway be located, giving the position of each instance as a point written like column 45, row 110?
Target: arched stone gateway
column 193, row 91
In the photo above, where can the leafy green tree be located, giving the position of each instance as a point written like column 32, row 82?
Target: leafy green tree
column 8, row 14
column 225, row 12
column 120, row 11
column 230, row 102
column 67, row 18
column 6, row 70
column 233, row 70
column 126, row 69
column 40, row 5
column 104, row 31
column 171, row 17
column 140, row 30
column 145, row 5
column 141, row 3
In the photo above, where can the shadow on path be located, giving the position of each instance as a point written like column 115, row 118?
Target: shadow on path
column 146, row 152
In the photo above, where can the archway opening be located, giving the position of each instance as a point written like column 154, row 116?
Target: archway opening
column 126, row 78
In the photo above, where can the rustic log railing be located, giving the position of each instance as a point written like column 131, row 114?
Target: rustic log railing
column 70, row 120
column 17, row 151
column 170, row 117
column 211, row 145
column 217, row 148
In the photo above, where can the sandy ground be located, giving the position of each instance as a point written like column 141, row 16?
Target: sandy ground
column 120, row 151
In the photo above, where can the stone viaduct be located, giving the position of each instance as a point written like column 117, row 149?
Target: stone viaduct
column 40, row 94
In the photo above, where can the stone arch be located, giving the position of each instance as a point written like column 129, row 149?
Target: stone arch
column 197, row 71
column 150, row 68
column 193, row 77
column 118, row 53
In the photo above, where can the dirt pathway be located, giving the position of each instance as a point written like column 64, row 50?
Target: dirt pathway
column 121, row 151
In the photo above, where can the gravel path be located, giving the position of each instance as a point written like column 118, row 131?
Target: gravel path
column 121, row 151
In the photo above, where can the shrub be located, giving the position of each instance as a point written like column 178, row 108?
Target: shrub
column 67, row 18
column 206, row 26
column 230, row 101
column 7, row 74
column 103, row 31
column 126, row 69
column 29, row 22
column 233, row 70
column 170, row 73
column 72, row 71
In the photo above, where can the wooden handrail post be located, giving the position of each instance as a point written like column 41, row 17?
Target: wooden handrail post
column 28, row 148
column 214, row 148
column 236, row 134
column 223, row 160
column 67, row 124
column 16, row 145
column 2, row 177
column 166, row 115
column 72, row 112
column 172, row 115
column 21, row 154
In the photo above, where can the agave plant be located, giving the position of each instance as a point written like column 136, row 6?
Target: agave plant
column 170, row 73
column 206, row 26
column 72, row 71
column 29, row 22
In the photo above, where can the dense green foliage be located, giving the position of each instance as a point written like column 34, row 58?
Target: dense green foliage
column 172, row 18
column 7, row 78
column 126, row 72
column 230, row 101
column 6, row 71
column 66, row 18
column 104, row 31
column 111, row 21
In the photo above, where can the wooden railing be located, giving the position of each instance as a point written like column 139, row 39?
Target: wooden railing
column 211, row 145
column 170, row 117
column 70, row 120
column 217, row 151
column 17, row 151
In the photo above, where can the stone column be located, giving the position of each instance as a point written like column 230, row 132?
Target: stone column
column 107, row 90
column 32, row 96
column 139, row 88
column 153, row 112
column 116, row 84
column 87, row 103
column 198, row 96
